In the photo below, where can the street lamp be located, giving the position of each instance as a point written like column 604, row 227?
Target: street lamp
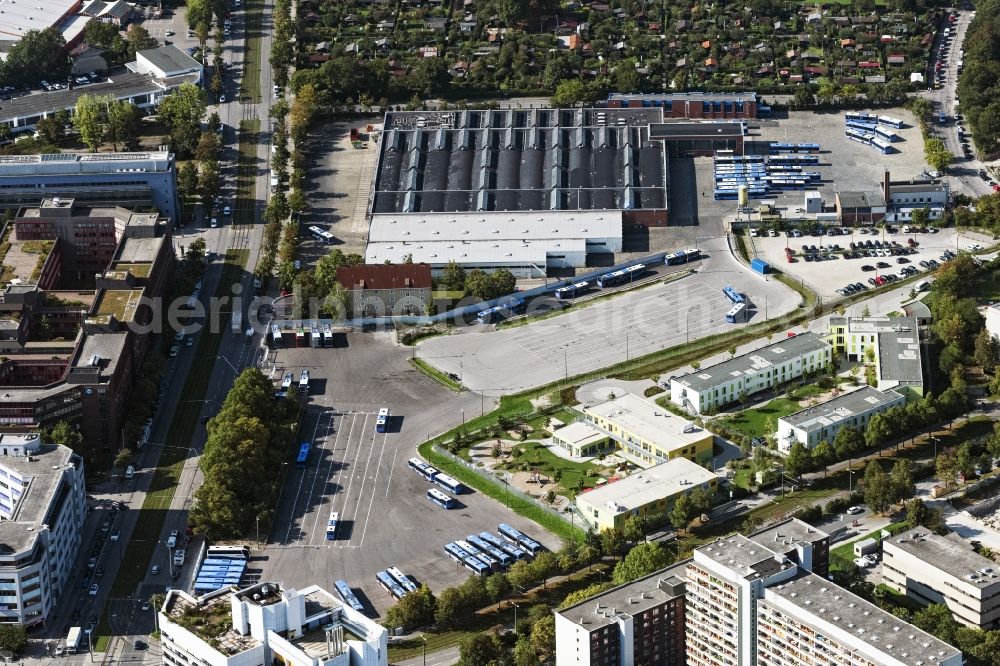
column 425, row 649
column 515, row 615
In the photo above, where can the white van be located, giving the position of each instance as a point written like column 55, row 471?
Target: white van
column 129, row 472
column 923, row 285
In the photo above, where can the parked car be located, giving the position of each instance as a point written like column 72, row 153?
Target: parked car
column 855, row 510
column 94, row 587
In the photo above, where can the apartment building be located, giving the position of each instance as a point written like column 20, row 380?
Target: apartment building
column 637, row 624
column 647, row 434
column 822, row 422
column 808, row 620
column 43, row 506
column 647, row 492
column 934, row 569
column 707, row 389
column 386, row 290
column 891, row 343
column 268, row 624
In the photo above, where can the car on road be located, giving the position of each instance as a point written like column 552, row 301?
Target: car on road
column 117, row 535
column 155, row 569
column 99, row 573
column 92, row 591
column 214, row 223
column 172, row 539
column 855, row 510
column 189, row 342
column 227, row 211
column 92, row 562
column 174, row 349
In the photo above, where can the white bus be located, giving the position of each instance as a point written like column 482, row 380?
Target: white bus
column 439, row 498
column 331, row 526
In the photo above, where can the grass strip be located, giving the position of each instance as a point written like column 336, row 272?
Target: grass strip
column 145, row 538
column 497, row 491
column 435, row 374
column 250, row 84
column 578, row 305
column 246, row 172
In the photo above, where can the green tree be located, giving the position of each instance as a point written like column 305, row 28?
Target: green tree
column 413, row 610
column 37, row 55
column 798, row 460
column 848, row 442
column 573, row 598
column 181, row 114
column 682, row 512
column 13, row 637
column 187, row 183
column 543, row 635
column 209, row 181
column 878, row 432
column 502, row 282
column 122, row 124
column 449, row 607
column 987, row 352
column 453, row 277
column 90, row 120
column 497, row 586
column 642, row 560
column 612, row 541
column 64, row 434
column 634, row 529
column 138, row 39
column 920, row 216
column 524, row 653
column 51, row 129
column 477, row 283
column 937, row 620
column 208, row 148
column 123, row 458
column 901, row 478
column 878, row 490
column 479, row 649
column 822, row 455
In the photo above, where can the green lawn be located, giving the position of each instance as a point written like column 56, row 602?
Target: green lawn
column 751, row 422
column 540, row 458
column 842, row 557
column 246, row 173
column 792, row 502
column 743, row 478
column 566, row 415
column 435, row 374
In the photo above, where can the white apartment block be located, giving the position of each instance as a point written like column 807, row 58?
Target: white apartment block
column 935, row 569
column 268, row 624
column 808, row 620
column 777, row 363
column 892, row 343
column 43, row 506
column 822, row 422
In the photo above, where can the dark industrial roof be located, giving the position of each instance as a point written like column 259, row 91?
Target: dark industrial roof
column 852, row 199
column 528, row 159
column 385, row 276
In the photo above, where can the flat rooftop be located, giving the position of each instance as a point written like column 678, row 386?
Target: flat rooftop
column 44, row 472
column 512, row 225
column 106, row 346
column 630, row 599
column 773, row 354
column 746, row 557
column 787, row 533
column 899, row 357
column 948, row 555
column 438, row 253
column 842, row 407
column 579, row 433
column 649, row 485
column 139, row 250
column 59, row 164
column 517, row 160
column 824, row 606
column 17, row 19
column 209, row 617
column 121, row 303
column 649, row 421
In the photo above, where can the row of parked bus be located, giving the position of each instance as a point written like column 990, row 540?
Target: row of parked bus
column 738, row 312
column 395, row 582
column 485, row 552
column 441, row 479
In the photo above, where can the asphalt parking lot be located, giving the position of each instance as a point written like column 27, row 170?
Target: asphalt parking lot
column 609, row 331
column 386, row 519
column 826, row 276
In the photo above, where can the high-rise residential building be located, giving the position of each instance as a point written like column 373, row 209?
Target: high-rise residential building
column 934, row 569
column 638, row 624
column 268, row 624
column 43, row 505
column 808, row 620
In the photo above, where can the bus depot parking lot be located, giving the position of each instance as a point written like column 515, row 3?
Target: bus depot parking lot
column 826, row 276
column 608, row 331
column 385, row 518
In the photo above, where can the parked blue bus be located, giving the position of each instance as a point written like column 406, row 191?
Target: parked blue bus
column 389, row 584
column 519, row 538
column 886, row 134
column 865, row 127
column 507, row 547
column 504, row 558
column 448, row 483
column 404, row 581
column 439, row 498
column 861, row 117
column 737, row 314
column 622, row 276
column 891, row 122
column 331, row 526
column 300, row 460
column 506, row 309
column 382, row 421
column 347, row 594
column 572, row 290
column 733, row 295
